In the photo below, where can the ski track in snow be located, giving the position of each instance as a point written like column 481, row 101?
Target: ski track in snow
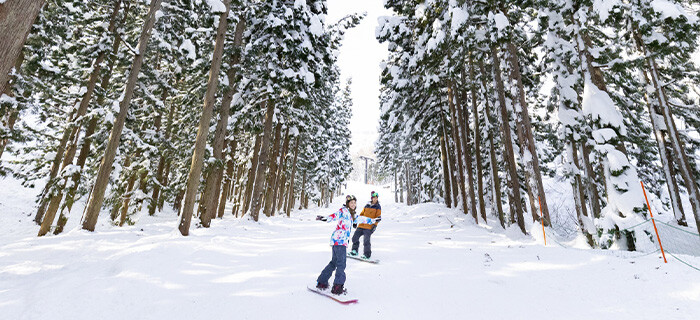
column 435, row 264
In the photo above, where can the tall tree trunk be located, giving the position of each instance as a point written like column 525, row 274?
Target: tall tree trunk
column 452, row 164
column 203, row 129
column 445, row 171
column 590, row 181
column 444, row 165
column 677, row 146
column 252, row 171
column 454, row 121
column 579, row 198
column 268, row 207
column 258, row 191
column 515, row 204
column 281, row 176
column 210, row 197
column 290, row 193
column 98, row 191
column 401, row 178
column 409, row 191
column 659, row 126
column 16, row 19
column 92, row 124
column 57, row 196
column 237, row 202
column 532, row 162
column 463, row 123
column 124, row 209
column 228, row 179
column 477, row 142
column 160, row 172
column 303, row 191
column 496, row 190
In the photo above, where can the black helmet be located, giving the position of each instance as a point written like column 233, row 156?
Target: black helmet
column 349, row 198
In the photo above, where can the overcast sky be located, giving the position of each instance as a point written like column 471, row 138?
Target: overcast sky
column 359, row 58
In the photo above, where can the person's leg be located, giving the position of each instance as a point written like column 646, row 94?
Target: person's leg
column 328, row 270
column 339, row 254
column 367, row 246
column 356, row 239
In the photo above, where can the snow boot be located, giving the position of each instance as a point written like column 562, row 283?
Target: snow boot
column 321, row 286
column 338, row 289
column 353, row 253
column 364, row 257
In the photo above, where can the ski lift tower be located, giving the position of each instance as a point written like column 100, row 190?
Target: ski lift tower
column 367, row 159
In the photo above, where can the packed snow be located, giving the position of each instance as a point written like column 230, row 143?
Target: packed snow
column 436, row 263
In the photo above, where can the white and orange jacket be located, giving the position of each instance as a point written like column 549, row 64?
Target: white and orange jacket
column 341, row 235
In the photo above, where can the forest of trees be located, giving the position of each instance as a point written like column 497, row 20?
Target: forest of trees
column 481, row 100
column 133, row 105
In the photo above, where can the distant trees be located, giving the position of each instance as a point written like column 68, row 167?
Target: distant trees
column 115, row 85
column 467, row 81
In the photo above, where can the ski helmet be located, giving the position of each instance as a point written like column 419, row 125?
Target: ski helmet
column 349, row 198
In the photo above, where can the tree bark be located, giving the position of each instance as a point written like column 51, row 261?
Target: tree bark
column 160, row 172
column 258, row 191
column 290, row 193
column 515, row 204
column 281, row 174
column 409, row 191
column 98, row 191
column 57, row 196
column 676, row 143
column 533, row 163
column 477, row 143
column 496, row 190
column 208, row 202
column 445, row 171
column 302, row 194
column 251, row 175
column 124, row 209
column 268, row 207
column 454, row 121
column 228, row 180
column 203, row 129
column 16, row 19
column 463, row 123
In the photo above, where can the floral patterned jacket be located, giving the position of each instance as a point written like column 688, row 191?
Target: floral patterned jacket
column 341, row 235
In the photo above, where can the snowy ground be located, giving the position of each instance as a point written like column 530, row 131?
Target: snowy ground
column 435, row 264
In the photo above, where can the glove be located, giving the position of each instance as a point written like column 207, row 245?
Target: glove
column 378, row 219
column 354, row 225
column 322, row 218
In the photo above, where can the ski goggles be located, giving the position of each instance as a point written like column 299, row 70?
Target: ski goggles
column 375, row 195
column 350, row 198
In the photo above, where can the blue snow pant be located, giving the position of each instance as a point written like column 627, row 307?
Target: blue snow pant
column 338, row 264
column 366, row 245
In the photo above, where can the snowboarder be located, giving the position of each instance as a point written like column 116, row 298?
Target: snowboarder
column 339, row 241
column 371, row 210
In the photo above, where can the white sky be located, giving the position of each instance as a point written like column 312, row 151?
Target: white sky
column 359, row 58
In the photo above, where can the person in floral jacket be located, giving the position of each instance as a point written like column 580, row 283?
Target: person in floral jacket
column 339, row 240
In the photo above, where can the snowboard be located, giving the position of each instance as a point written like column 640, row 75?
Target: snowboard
column 342, row 299
column 358, row 257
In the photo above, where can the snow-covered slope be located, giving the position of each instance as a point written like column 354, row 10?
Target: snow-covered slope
column 435, row 264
